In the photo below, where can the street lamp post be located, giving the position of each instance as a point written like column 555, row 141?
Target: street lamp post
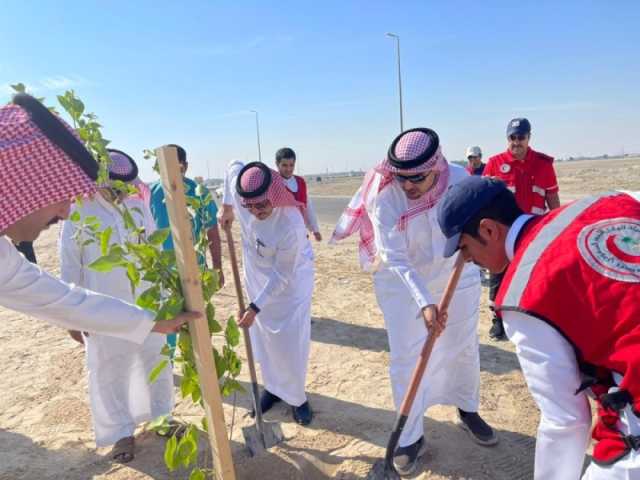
column 258, row 135
column 393, row 35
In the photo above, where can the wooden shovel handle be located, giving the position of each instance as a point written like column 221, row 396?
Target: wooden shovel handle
column 234, row 267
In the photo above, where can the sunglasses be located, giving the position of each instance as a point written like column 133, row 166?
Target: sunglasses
column 411, row 178
column 520, row 138
column 257, row 206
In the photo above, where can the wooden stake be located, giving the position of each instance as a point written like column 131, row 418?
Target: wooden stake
column 189, row 271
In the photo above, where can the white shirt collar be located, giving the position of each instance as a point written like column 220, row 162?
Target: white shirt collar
column 291, row 183
column 512, row 235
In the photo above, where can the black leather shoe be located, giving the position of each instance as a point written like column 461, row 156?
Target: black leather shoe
column 479, row 430
column 267, row 400
column 406, row 459
column 302, row 414
column 497, row 329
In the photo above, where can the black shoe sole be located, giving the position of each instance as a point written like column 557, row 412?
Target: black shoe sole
column 414, row 465
column 485, row 443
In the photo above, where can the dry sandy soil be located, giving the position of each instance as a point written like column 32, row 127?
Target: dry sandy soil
column 45, row 430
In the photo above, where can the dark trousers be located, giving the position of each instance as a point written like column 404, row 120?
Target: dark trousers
column 495, row 279
column 26, row 248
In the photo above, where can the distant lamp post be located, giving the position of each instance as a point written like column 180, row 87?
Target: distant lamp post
column 258, row 135
column 397, row 38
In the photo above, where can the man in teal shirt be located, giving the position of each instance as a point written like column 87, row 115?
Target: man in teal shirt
column 205, row 219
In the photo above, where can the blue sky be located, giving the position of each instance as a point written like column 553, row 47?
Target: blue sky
column 322, row 74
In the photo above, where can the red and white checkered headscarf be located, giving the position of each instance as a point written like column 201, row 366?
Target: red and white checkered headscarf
column 257, row 182
column 413, row 152
column 35, row 170
column 123, row 167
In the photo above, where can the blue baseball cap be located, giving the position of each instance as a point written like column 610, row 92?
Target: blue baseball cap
column 461, row 202
column 518, row 126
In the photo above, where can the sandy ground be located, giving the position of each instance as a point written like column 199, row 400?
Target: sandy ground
column 45, row 429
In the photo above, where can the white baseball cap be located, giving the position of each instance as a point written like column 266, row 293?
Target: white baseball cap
column 473, row 152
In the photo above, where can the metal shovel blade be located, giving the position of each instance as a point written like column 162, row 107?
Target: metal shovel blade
column 382, row 471
column 256, row 443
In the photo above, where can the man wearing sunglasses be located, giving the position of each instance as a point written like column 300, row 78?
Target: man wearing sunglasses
column 278, row 277
column 531, row 177
column 394, row 211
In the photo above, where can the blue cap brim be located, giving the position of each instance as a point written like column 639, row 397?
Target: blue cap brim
column 451, row 246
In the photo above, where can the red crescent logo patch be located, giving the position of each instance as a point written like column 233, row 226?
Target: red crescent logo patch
column 612, row 248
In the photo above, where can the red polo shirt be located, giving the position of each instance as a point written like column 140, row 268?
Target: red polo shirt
column 530, row 180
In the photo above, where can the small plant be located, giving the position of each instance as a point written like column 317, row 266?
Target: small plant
column 144, row 260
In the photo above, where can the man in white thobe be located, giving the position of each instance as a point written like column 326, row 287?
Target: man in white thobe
column 278, row 275
column 120, row 394
column 573, row 320
column 402, row 243
column 44, row 167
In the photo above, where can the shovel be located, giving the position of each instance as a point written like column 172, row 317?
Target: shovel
column 384, row 469
column 261, row 435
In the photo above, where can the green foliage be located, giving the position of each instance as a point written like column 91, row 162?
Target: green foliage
column 154, row 278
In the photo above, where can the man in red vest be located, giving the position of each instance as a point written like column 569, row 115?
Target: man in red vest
column 286, row 163
column 570, row 303
column 530, row 175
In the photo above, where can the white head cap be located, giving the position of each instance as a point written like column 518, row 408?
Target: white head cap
column 473, row 152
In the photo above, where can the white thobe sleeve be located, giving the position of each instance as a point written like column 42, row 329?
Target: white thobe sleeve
column 26, row 288
column 550, row 368
column 229, row 187
column 70, row 256
column 286, row 259
column 392, row 248
column 311, row 216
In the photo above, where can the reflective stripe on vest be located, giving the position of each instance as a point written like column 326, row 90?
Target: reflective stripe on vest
column 546, row 236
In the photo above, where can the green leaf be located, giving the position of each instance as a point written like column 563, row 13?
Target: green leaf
column 184, row 342
column 134, row 276
column 230, row 385
column 197, row 474
column 157, row 370
column 234, row 365
column 105, row 236
column 196, row 393
column 170, row 453
column 159, row 236
column 186, row 387
column 19, row 88
column 106, row 263
column 149, row 298
column 214, row 326
column 91, row 220
column 187, row 448
column 170, row 308
column 128, row 220
column 146, row 252
column 220, row 362
column 75, row 216
column 232, row 333
column 159, row 424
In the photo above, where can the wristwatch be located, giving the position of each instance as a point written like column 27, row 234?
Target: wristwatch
column 253, row 307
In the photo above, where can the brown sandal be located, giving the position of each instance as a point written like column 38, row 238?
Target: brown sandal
column 123, row 450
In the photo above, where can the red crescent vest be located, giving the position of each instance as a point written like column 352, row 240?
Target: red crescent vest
column 301, row 194
column 577, row 268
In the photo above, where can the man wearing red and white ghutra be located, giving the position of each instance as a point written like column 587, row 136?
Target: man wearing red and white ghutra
column 570, row 301
column 43, row 168
column 278, row 276
column 400, row 241
column 120, row 394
